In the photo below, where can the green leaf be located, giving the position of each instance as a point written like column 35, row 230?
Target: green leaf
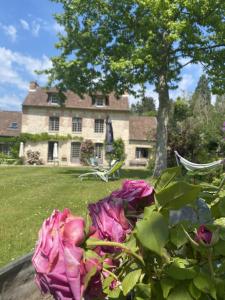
column 177, row 236
column 205, row 284
column 116, row 294
column 166, row 285
column 89, row 275
column 177, row 194
column 182, row 269
column 166, row 177
column 153, row 233
column 142, row 291
column 179, row 293
column 130, row 281
column 195, row 293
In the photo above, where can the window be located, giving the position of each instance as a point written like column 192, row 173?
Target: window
column 51, row 150
column 75, row 152
column 5, row 149
column 54, row 123
column 141, row 153
column 100, row 100
column 76, row 124
column 13, row 125
column 99, row 125
column 53, row 98
column 98, row 150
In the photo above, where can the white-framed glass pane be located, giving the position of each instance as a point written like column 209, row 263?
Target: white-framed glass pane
column 54, row 123
column 76, row 124
column 75, row 150
column 142, row 152
column 99, row 125
column 99, row 150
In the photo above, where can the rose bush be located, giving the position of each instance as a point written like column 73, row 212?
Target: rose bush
column 133, row 249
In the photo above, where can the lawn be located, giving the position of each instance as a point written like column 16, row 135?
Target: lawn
column 29, row 194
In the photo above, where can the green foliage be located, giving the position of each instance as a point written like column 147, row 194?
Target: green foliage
column 86, row 151
column 146, row 106
column 178, row 260
column 118, row 149
column 122, row 45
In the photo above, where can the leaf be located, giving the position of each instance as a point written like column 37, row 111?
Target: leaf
column 195, row 293
column 166, row 285
column 181, row 269
column 166, row 177
column 177, row 236
column 130, row 281
column 116, row 294
column 89, row 275
column 142, row 291
column 205, row 284
column 153, row 233
column 177, row 194
column 179, row 293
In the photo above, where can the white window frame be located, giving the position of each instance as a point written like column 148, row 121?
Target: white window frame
column 76, row 124
column 54, row 123
column 53, row 99
column 99, row 126
column 138, row 152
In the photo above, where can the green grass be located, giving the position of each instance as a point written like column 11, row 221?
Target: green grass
column 29, row 194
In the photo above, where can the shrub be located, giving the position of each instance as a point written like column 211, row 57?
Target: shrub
column 33, row 158
column 86, row 151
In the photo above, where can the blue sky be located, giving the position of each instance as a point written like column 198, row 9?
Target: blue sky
column 28, row 33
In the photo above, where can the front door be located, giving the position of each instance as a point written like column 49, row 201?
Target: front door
column 99, row 152
column 75, row 152
column 51, row 149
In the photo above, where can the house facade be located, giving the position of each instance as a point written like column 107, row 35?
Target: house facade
column 10, row 127
column 84, row 119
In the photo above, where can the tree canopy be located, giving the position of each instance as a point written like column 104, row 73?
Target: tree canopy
column 112, row 45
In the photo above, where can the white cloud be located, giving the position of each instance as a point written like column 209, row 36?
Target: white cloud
column 10, row 102
column 25, row 24
column 35, row 28
column 18, row 69
column 10, row 31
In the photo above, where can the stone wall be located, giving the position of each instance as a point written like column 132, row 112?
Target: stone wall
column 17, row 281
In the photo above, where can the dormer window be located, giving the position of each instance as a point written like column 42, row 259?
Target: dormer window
column 53, row 99
column 100, row 100
column 13, row 125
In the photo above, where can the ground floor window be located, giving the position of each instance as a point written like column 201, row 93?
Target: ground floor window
column 142, row 152
column 51, row 150
column 99, row 151
column 75, row 152
column 5, row 148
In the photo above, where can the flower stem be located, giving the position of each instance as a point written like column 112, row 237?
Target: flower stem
column 95, row 243
column 110, row 273
column 210, row 263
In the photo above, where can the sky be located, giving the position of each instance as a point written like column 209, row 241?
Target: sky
column 28, row 33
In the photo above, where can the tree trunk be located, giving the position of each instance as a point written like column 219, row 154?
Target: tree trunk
column 162, row 121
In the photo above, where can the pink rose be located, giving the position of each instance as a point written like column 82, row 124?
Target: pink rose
column 58, row 259
column 109, row 219
column 204, row 235
column 137, row 193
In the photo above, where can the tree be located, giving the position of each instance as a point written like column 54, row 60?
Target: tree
column 112, row 45
column 201, row 100
column 145, row 106
column 220, row 104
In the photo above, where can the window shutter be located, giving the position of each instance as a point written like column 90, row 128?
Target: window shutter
column 93, row 100
column 107, row 100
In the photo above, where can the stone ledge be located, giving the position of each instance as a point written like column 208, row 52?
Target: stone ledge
column 17, row 281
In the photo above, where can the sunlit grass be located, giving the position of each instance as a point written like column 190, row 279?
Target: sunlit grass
column 29, row 194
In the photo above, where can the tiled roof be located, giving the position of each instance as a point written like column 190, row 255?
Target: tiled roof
column 39, row 97
column 142, row 128
column 7, row 118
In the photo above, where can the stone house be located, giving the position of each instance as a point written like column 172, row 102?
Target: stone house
column 83, row 119
column 10, row 127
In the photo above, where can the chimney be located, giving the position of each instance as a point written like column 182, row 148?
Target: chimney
column 33, row 86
